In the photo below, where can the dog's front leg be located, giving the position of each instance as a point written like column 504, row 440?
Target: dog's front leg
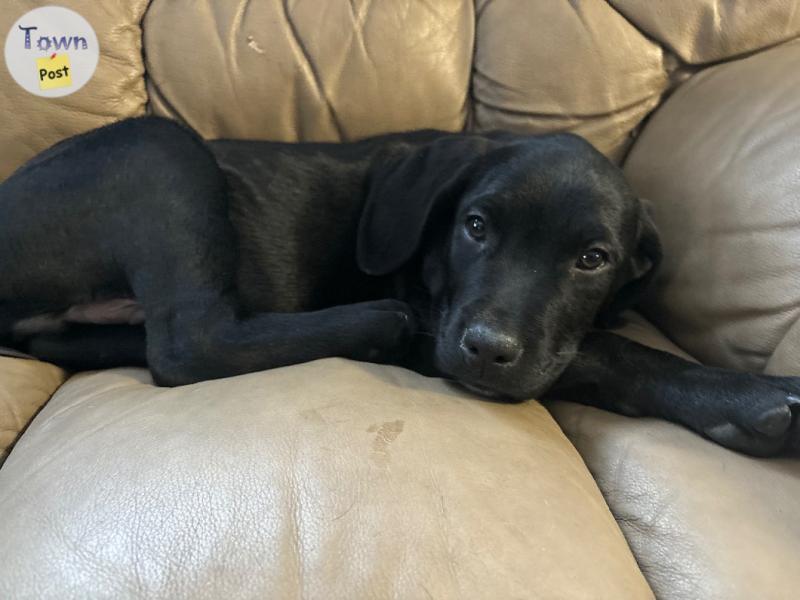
column 195, row 343
column 751, row 413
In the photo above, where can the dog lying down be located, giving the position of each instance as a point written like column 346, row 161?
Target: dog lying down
column 496, row 260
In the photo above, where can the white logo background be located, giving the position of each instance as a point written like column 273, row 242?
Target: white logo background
column 53, row 23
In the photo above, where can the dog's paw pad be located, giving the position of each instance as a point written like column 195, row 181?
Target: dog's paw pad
column 761, row 415
column 734, row 437
column 774, row 422
column 728, row 435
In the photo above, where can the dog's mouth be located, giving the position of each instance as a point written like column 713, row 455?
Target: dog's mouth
column 487, row 392
column 480, row 389
column 512, row 386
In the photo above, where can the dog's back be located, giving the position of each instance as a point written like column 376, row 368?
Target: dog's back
column 72, row 218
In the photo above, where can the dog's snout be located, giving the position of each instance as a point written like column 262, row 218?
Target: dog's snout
column 484, row 346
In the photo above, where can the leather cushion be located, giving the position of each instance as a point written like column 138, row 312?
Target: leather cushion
column 332, row 479
column 720, row 161
column 702, row 521
column 309, row 70
column 25, row 385
column 581, row 66
column 702, row 31
column 115, row 91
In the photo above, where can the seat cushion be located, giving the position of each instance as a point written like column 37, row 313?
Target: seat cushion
column 703, row 521
column 25, row 385
column 332, row 479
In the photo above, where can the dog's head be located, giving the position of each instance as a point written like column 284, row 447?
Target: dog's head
column 523, row 243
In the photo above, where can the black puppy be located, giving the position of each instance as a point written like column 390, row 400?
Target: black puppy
column 485, row 258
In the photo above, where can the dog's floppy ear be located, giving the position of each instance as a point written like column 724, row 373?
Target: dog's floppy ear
column 640, row 270
column 408, row 191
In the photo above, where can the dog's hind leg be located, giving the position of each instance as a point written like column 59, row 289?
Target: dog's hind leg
column 84, row 347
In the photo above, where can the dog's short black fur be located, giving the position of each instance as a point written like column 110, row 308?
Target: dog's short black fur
column 491, row 259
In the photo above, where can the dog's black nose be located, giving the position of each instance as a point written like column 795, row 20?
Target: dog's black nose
column 484, row 346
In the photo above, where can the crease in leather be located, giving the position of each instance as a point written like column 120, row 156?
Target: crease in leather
column 569, row 115
column 710, row 31
column 309, row 70
column 309, row 61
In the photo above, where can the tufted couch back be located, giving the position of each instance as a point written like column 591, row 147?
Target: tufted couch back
column 340, row 70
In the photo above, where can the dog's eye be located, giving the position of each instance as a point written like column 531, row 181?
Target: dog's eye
column 592, row 259
column 476, row 228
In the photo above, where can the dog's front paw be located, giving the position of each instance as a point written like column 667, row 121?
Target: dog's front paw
column 390, row 325
column 760, row 416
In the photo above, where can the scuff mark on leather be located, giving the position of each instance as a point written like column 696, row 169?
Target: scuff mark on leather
column 385, row 434
column 253, row 45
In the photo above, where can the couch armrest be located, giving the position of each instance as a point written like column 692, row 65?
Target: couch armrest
column 25, row 385
column 719, row 161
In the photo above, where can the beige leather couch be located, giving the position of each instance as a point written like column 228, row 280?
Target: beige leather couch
column 337, row 479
